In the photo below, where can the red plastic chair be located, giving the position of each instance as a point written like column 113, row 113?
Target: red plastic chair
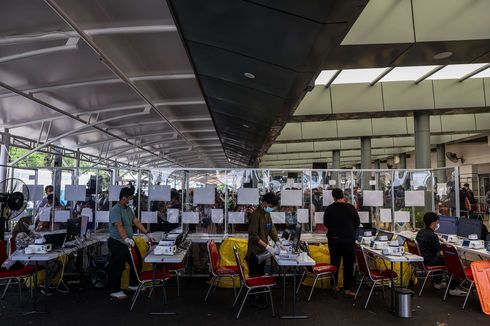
column 13, row 275
column 429, row 271
column 145, row 277
column 217, row 271
column 372, row 275
column 456, row 269
column 321, row 271
column 254, row 285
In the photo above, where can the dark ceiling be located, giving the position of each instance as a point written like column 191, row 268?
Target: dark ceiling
column 285, row 44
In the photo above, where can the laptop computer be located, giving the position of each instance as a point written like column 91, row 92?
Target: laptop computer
column 382, row 233
column 57, row 240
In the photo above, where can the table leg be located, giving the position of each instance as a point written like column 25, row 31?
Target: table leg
column 35, row 299
column 293, row 316
column 392, row 289
column 164, row 296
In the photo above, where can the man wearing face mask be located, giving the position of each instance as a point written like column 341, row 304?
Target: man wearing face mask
column 122, row 220
column 430, row 247
column 260, row 227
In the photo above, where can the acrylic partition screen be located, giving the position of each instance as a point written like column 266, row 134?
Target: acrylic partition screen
column 204, row 201
column 210, row 201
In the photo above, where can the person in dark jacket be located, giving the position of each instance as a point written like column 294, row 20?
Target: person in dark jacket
column 341, row 220
column 430, row 248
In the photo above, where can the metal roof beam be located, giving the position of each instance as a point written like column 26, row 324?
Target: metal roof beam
column 71, row 44
column 95, row 82
column 475, row 72
column 430, row 73
column 56, row 35
column 337, row 73
column 384, row 73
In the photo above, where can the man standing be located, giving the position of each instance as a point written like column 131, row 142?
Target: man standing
column 260, row 227
column 122, row 219
column 341, row 220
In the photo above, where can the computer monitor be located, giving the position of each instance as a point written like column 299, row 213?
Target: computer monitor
column 401, row 240
column 468, row 226
column 56, row 239
column 448, row 225
column 73, row 228
column 382, row 233
column 466, row 243
column 83, row 225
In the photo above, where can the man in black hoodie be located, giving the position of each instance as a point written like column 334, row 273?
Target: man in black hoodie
column 341, row 220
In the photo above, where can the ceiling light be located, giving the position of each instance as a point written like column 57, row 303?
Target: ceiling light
column 249, row 75
column 246, row 126
column 442, row 55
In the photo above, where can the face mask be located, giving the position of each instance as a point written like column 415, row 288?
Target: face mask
column 130, row 203
column 437, row 227
column 268, row 209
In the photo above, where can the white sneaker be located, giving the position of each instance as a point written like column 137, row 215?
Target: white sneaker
column 119, row 295
column 457, row 292
column 439, row 286
column 135, row 288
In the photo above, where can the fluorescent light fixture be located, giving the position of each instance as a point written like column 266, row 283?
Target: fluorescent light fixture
column 350, row 76
column 407, row 73
column 324, row 77
column 456, row 71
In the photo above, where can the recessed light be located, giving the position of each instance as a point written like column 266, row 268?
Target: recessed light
column 246, row 126
column 249, row 75
column 442, row 55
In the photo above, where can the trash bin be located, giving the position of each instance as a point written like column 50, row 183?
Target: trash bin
column 404, row 302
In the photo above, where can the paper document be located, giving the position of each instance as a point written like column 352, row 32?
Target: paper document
column 35, row 192
column 61, row 216
column 203, row 196
column 149, row 217
column 402, row 217
column 217, row 215
column 318, row 217
column 385, row 215
column 363, row 216
column 159, row 193
column 102, row 216
column 45, row 214
column 292, row 198
column 172, row 215
column 248, row 196
column 190, row 217
column 75, row 193
column 414, row 198
column 327, row 197
column 114, row 191
column 372, row 198
column 236, row 217
column 278, row 217
column 303, row 215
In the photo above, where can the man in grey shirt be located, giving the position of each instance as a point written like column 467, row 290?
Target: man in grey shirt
column 121, row 222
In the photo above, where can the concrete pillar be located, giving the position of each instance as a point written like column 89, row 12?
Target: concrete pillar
column 441, row 162
column 365, row 161
column 422, row 139
column 377, row 164
column 336, row 165
column 403, row 161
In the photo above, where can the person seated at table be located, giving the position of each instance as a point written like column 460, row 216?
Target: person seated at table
column 430, row 248
column 23, row 235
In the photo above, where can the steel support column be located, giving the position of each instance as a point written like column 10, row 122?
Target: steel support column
column 365, row 161
column 422, row 140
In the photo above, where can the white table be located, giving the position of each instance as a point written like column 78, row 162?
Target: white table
column 163, row 259
column 482, row 253
column 19, row 255
column 283, row 264
column 405, row 258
